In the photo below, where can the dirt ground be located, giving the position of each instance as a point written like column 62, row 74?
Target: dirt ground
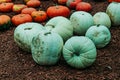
column 16, row 64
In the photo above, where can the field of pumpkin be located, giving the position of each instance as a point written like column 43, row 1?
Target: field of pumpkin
column 59, row 39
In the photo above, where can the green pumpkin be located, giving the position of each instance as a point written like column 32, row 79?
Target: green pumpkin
column 113, row 10
column 24, row 33
column 99, row 34
column 79, row 52
column 102, row 18
column 60, row 25
column 81, row 21
column 46, row 48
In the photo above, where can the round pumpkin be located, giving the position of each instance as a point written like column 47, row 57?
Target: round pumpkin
column 5, row 1
column 5, row 22
column 99, row 34
column 113, row 10
column 60, row 25
column 79, row 52
column 81, row 21
column 102, row 18
column 72, row 3
column 83, row 6
column 46, row 48
column 24, row 33
column 58, row 10
column 33, row 3
column 6, row 7
column 21, row 18
column 63, row 2
column 28, row 10
column 39, row 16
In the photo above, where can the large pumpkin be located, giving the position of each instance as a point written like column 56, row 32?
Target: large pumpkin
column 60, row 25
column 6, row 7
column 81, row 21
column 102, row 18
column 5, row 22
column 24, row 33
column 113, row 10
column 46, row 48
column 58, row 10
column 99, row 34
column 79, row 52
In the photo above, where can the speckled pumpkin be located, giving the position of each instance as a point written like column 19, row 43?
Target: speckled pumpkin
column 79, row 52
column 99, row 34
column 46, row 48
column 24, row 33
column 81, row 21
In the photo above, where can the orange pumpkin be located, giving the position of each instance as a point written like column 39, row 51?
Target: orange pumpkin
column 5, row 1
column 5, row 22
column 83, row 6
column 39, row 16
column 62, row 2
column 113, row 0
column 33, row 3
column 58, row 10
column 28, row 10
column 6, row 7
column 21, row 18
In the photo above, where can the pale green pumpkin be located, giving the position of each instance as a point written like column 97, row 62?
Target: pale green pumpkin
column 99, row 34
column 60, row 25
column 81, row 21
column 102, row 18
column 79, row 52
column 24, row 33
column 113, row 10
column 46, row 48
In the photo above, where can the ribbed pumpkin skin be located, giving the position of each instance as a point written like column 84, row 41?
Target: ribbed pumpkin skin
column 46, row 48
column 102, row 18
column 79, row 52
column 81, row 21
column 60, row 25
column 99, row 34
column 113, row 10
column 24, row 33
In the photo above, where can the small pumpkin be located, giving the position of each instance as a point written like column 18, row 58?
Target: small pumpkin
column 83, row 6
column 5, row 22
column 18, row 7
column 21, row 18
column 33, row 3
column 81, row 21
column 58, row 10
column 60, row 25
column 102, row 18
column 79, row 52
column 113, row 1
column 63, row 2
column 6, row 7
column 5, row 1
column 46, row 48
column 26, row 1
column 28, row 10
column 24, row 33
column 113, row 10
column 39, row 16
column 99, row 34
column 72, row 3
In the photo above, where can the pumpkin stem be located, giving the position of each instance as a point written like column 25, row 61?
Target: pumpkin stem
column 98, row 25
column 47, row 33
column 27, row 28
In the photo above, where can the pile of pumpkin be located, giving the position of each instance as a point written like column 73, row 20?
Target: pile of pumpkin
column 75, row 38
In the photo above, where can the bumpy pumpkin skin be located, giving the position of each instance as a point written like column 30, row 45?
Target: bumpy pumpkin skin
column 113, row 10
column 99, row 34
column 46, row 48
column 79, row 52
column 102, row 18
column 81, row 21
column 24, row 33
column 60, row 25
